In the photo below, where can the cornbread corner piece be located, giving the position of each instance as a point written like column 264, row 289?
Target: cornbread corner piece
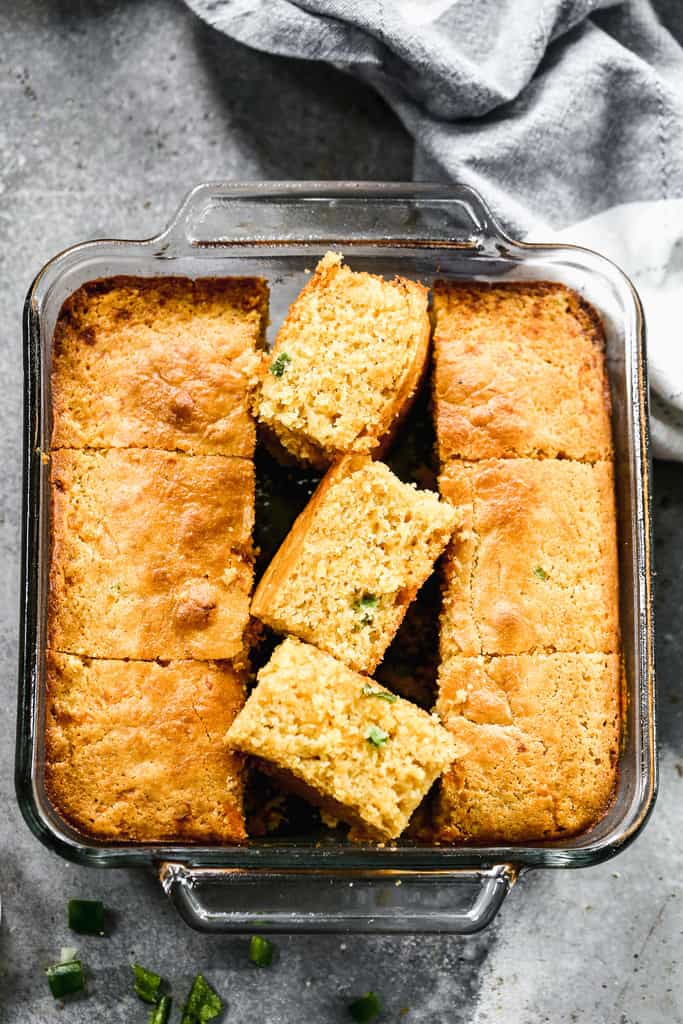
column 540, row 739
column 353, row 561
column 136, row 751
column 341, row 740
column 519, row 371
column 151, row 554
column 167, row 363
column 346, row 364
column 535, row 564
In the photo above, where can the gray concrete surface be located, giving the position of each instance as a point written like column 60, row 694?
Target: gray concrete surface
column 108, row 113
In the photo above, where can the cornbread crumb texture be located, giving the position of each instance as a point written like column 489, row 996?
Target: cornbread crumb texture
column 166, row 363
column 353, row 562
column 310, row 720
column 151, row 554
column 535, row 563
column 135, row 750
column 540, row 741
column 519, row 371
column 346, row 363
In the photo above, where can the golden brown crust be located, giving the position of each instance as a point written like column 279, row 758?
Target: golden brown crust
column 363, row 537
column 151, row 554
column 135, row 750
column 540, row 741
column 357, row 349
column 519, row 371
column 535, row 567
column 309, row 719
column 166, row 363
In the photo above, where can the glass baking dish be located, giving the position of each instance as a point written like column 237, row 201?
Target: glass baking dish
column 278, row 230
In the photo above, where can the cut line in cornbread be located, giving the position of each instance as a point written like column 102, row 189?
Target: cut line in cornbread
column 519, row 371
column 363, row 754
column 169, row 363
column 540, row 741
column 151, row 554
column 353, row 561
column 135, row 750
column 346, row 364
column 534, row 566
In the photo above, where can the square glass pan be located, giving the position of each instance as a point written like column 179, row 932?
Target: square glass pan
column 278, row 231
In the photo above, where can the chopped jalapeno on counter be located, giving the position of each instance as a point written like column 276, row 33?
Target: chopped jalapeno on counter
column 367, row 691
column 378, row 737
column 279, row 364
column 366, row 1008
column 86, row 917
column 203, row 1004
column 260, row 951
column 161, row 1012
column 65, row 978
column 147, row 983
column 540, row 572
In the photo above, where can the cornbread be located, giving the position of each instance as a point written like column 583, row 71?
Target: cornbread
column 540, row 741
column 134, row 750
column 353, row 562
column 519, row 371
column 164, row 363
column 535, row 565
column 346, row 364
column 151, row 554
column 366, row 759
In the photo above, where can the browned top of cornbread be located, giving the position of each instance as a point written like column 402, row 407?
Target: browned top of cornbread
column 353, row 561
column 151, row 554
column 135, row 751
column 535, row 566
column 310, row 717
column 519, row 370
column 159, row 363
column 346, row 363
column 540, row 741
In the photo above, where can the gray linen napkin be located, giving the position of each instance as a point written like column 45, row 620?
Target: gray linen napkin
column 557, row 111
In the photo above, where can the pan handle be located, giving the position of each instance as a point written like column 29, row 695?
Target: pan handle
column 461, row 902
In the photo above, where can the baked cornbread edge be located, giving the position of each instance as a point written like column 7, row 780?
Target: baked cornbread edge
column 233, row 288
column 592, row 327
column 189, row 631
column 542, row 800
column 166, row 704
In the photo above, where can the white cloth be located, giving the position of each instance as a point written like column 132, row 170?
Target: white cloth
column 646, row 240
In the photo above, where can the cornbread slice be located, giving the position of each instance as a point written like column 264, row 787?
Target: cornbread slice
column 540, row 741
column 365, row 759
column 353, row 561
column 535, row 566
column 346, row 363
column 151, row 554
column 164, row 363
column 519, row 371
column 135, row 751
